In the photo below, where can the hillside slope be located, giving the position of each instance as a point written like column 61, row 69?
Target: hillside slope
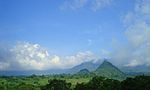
column 107, row 69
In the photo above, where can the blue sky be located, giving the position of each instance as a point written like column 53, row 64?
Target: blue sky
column 69, row 31
column 66, row 27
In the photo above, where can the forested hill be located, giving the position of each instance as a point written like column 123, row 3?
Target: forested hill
column 108, row 70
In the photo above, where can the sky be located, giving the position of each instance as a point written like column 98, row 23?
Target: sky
column 47, row 34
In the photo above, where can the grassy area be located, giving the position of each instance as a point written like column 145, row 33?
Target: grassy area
column 40, row 80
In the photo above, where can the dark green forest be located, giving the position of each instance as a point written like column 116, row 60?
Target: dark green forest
column 69, row 82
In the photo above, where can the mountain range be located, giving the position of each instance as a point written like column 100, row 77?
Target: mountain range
column 92, row 66
column 105, row 69
column 100, row 68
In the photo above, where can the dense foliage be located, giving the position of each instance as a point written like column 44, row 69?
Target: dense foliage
column 137, row 83
column 99, row 83
column 68, row 82
column 57, row 85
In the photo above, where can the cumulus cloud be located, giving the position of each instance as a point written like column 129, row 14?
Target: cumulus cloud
column 28, row 56
column 137, row 23
column 91, row 4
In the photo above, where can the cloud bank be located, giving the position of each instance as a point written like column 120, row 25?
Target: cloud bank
column 28, row 56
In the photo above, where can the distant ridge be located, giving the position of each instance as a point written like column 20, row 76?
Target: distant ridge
column 90, row 66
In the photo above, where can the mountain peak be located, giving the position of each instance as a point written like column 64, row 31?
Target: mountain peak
column 109, row 70
column 83, row 72
column 106, row 62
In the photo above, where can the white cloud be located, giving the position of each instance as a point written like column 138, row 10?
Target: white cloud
column 137, row 24
column 28, row 56
column 79, row 58
column 138, row 33
column 133, row 63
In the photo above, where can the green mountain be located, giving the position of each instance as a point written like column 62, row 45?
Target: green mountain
column 108, row 70
column 83, row 72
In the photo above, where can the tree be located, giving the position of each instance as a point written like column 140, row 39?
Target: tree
column 99, row 83
column 137, row 83
column 57, row 85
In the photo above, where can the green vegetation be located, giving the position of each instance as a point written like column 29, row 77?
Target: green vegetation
column 71, row 82
column 56, row 85
column 137, row 83
column 35, row 82
column 99, row 83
